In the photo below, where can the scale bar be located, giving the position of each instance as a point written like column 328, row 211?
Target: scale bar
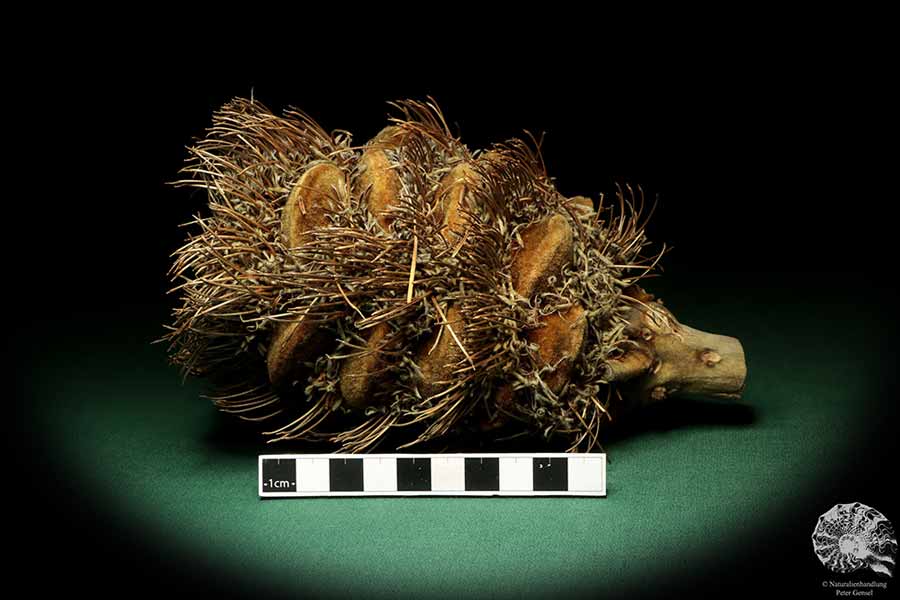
column 327, row 475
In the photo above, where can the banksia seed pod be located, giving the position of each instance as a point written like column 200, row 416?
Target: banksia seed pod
column 413, row 285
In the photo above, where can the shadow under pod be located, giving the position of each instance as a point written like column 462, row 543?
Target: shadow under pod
column 679, row 413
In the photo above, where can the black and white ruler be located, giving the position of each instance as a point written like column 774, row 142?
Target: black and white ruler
column 316, row 475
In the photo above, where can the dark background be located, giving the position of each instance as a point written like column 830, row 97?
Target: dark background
column 769, row 171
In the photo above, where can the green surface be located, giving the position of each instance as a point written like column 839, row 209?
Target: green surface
column 155, row 456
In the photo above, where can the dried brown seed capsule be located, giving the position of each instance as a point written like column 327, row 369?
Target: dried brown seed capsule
column 559, row 342
column 438, row 360
column 378, row 175
column 451, row 194
column 360, row 372
column 298, row 342
column 292, row 345
column 546, row 249
column 306, row 210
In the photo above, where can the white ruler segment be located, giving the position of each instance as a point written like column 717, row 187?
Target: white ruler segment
column 532, row 474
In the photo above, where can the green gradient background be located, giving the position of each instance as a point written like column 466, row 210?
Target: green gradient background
column 688, row 491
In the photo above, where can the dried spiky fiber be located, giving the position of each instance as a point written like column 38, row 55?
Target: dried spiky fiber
column 414, row 284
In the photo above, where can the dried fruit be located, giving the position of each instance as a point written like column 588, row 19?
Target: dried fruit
column 418, row 286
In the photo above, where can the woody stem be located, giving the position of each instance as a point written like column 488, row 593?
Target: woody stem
column 666, row 358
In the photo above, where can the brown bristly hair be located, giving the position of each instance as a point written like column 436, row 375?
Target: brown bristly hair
column 238, row 280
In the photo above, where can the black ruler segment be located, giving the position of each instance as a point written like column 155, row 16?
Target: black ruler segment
column 482, row 474
column 345, row 474
column 413, row 475
column 550, row 474
column 279, row 475
column 544, row 474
